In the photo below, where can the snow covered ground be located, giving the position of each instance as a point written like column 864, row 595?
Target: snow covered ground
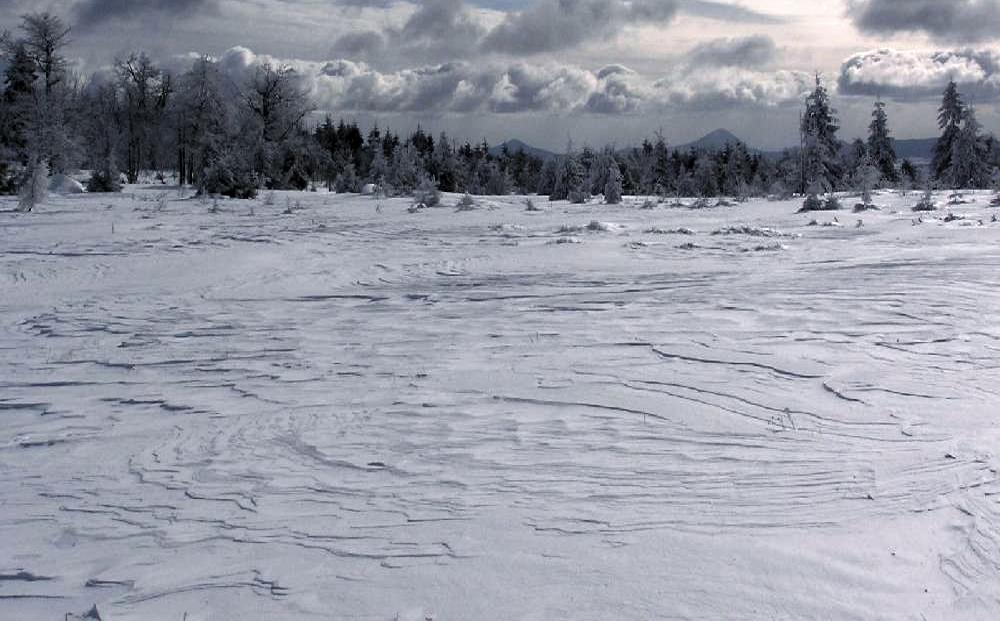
column 350, row 411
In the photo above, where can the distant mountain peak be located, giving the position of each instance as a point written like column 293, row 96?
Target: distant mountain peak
column 514, row 145
column 716, row 139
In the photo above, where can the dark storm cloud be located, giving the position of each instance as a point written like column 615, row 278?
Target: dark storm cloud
column 954, row 20
column 451, row 27
column 915, row 75
column 550, row 25
column 754, row 51
column 438, row 28
column 92, row 12
column 442, row 19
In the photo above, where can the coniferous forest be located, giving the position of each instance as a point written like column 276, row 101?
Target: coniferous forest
column 235, row 135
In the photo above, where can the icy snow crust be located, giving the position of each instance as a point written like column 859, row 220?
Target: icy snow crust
column 352, row 412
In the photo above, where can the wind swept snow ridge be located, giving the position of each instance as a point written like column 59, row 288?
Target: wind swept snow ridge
column 244, row 413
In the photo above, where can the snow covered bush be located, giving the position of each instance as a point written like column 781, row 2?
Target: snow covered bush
column 347, row 180
column 466, row 203
column 812, row 203
column 926, row 202
column 230, row 176
column 427, row 193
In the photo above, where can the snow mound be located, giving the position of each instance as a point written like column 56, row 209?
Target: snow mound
column 752, row 231
column 594, row 227
column 775, row 247
column 62, row 184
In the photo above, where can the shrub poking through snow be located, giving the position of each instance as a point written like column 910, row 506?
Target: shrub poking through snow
column 427, row 193
column 648, row 204
column 815, row 203
column 751, row 231
column 36, row 187
column 103, row 181
column 656, row 230
column 957, row 198
column 812, row 203
column 926, row 202
column 466, row 203
column 859, row 207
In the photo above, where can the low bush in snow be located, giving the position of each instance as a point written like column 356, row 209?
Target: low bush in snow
column 427, row 194
column 926, row 203
column 228, row 176
column 466, row 203
column 815, row 203
column 103, row 181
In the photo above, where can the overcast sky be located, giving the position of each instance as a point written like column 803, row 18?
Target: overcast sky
column 596, row 70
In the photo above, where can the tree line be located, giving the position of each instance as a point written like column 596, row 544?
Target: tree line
column 233, row 135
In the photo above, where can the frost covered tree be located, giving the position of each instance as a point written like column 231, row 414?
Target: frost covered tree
column 35, row 189
column 867, row 177
column 45, row 36
column 967, row 167
column 705, row 176
column 820, row 146
column 881, row 152
column 445, row 165
column 613, row 187
column 405, row 170
column 950, row 115
column 277, row 102
column 201, row 111
column 575, row 181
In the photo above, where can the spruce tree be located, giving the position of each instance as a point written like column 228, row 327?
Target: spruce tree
column 950, row 121
column 968, row 162
column 881, row 152
column 576, row 180
column 820, row 146
column 17, row 101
